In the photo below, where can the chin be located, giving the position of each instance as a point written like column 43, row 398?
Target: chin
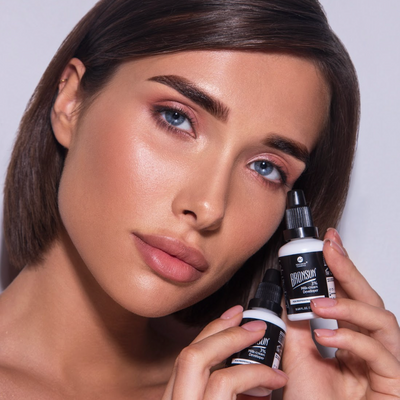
column 150, row 304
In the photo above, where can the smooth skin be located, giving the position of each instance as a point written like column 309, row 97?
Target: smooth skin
column 366, row 366
column 77, row 325
column 127, row 174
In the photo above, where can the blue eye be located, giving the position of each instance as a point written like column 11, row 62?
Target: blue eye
column 176, row 119
column 267, row 170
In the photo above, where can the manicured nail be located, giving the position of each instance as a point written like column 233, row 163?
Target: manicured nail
column 324, row 302
column 228, row 314
column 324, row 332
column 336, row 235
column 279, row 372
column 337, row 247
column 254, row 326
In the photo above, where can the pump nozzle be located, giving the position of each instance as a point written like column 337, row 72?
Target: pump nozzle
column 295, row 198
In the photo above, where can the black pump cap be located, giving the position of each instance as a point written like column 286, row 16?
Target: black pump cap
column 299, row 221
column 295, row 198
column 269, row 292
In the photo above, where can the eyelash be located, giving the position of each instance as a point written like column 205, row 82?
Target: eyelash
column 282, row 174
column 158, row 110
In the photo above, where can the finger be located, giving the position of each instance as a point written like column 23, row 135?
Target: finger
column 377, row 357
column 192, row 369
column 333, row 234
column 380, row 323
column 231, row 317
column 255, row 379
column 299, row 346
column 248, row 397
column 299, row 343
column 169, row 388
column 350, row 279
column 339, row 290
column 341, row 294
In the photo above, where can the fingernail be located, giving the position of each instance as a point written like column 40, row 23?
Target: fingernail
column 337, row 247
column 324, row 332
column 324, row 302
column 279, row 372
column 257, row 392
column 336, row 235
column 228, row 314
column 254, row 326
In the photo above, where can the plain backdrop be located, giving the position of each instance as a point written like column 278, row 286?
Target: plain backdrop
column 32, row 30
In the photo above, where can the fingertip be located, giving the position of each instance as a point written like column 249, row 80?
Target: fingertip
column 254, row 326
column 332, row 233
column 281, row 373
column 336, row 247
column 323, row 302
column 324, row 333
column 232, row 312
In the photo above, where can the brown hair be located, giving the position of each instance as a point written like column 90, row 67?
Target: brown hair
column 116, row 31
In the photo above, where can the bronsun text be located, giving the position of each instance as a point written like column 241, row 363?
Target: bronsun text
column 297, row 278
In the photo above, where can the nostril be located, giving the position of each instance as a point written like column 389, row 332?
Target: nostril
column 205, row 217
column 188, row 212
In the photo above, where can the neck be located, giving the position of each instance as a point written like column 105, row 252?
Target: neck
column 59, row 310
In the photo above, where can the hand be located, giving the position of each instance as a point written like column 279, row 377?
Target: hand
column 195, row 376
column 367, row 363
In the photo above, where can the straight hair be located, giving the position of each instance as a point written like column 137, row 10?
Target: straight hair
column 114, row 32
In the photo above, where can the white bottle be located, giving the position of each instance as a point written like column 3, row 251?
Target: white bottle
column 265, row 306
column 305, row 275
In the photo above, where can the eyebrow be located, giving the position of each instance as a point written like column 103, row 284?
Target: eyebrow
column 221, row 112
column 290, row 147
column 194, row 93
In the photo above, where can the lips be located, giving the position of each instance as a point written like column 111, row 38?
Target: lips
column 170, row 258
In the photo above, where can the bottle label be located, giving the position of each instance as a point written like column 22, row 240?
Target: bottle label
column 267, row 351
column 330, row 282
column 305, row 277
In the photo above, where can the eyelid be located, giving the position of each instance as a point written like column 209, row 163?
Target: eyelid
column 280, row 167
column 292, row 167
column 157, row 109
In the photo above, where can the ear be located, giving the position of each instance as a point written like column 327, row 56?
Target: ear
column 63, row 113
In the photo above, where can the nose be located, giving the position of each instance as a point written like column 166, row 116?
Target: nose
column 202, row 198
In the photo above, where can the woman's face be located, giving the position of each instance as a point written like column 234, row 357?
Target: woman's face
column 179, row 169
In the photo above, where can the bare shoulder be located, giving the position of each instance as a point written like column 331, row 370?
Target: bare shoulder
column 10, row 383
column 17, row 384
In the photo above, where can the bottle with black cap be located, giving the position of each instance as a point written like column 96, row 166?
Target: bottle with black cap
column 265, row 306
column 305, row 275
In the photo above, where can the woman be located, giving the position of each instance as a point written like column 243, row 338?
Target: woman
column 149, row 179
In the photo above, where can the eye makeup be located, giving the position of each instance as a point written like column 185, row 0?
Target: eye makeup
column 173, row 116
column 161, row 114
column 268, row 170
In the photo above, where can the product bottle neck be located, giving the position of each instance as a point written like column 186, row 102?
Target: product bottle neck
column 264, row 310
column 303, row 238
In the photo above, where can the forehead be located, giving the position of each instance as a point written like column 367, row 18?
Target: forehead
column 279, row 91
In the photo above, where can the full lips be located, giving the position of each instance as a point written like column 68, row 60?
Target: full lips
column 170, row 258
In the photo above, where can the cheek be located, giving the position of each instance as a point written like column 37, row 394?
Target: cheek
column 245, row 231
column 259, row 224
column 116, row 175
column 250, row 222
column 96, row 184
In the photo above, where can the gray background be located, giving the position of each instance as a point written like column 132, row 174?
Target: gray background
column 32, row 30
